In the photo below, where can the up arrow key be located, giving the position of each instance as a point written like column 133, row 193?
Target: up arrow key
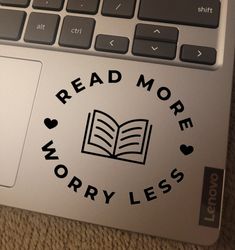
column 157, row 31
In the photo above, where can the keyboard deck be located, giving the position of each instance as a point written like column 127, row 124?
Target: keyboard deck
column 182, row 32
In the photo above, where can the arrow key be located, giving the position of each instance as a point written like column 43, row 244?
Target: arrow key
column 198, row 54
column 156, row 33
column 154, row 49
column 113, row 44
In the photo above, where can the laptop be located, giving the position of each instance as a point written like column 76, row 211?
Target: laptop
column 116, row 112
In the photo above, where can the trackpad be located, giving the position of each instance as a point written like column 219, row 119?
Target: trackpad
column 18, row 84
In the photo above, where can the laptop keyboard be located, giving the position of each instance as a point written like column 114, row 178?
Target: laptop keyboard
column 71, row 24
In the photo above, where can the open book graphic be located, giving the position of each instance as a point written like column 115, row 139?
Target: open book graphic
column 105, row 137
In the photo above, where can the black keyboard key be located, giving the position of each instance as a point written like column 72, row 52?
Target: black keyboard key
column 84, row 7
column 156, row 33
column 11, row 24
column 203, row 13
column 42, row 28
column 48, row 4
column 198, row 54
column 15, row 3
column 154, row 49
column 113, row 44
column 119, row 8
column 77, row 32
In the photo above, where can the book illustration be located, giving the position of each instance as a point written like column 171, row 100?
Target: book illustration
column 128, row 141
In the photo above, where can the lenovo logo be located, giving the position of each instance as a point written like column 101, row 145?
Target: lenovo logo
column 211, row 197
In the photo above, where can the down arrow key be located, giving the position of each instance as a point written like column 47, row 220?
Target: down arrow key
column 154, row 49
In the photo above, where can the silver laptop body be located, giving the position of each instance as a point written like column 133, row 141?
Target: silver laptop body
column 117, row 112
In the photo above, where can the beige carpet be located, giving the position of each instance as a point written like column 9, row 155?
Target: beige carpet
column 26, row 230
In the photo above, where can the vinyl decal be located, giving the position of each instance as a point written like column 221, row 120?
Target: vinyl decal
column 50, row 123
column 186, row 149
column 117, row 141
column 125, row 141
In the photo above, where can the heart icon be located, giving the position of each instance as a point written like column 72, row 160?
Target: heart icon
column 50, row 123
column 186, row 150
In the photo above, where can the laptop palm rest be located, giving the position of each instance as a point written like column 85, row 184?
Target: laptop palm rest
column 18, row 84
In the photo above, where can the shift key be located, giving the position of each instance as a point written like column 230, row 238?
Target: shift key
column 204, row 13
